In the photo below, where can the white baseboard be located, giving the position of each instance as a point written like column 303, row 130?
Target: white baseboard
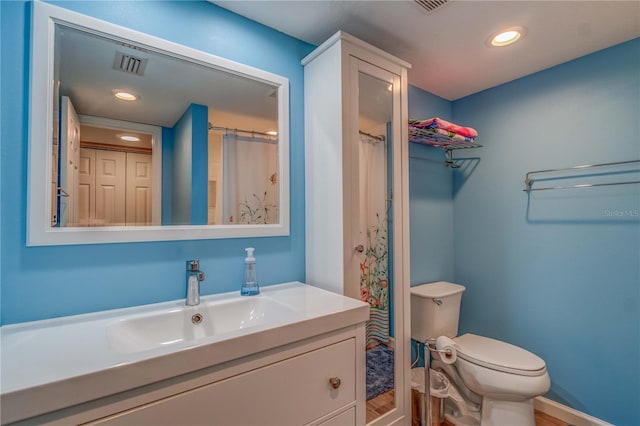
column 566, row 414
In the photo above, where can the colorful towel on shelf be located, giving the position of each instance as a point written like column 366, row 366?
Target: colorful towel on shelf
column 437, row 137
column 438, row 123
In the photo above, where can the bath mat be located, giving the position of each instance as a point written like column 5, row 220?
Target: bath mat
column 379, row 371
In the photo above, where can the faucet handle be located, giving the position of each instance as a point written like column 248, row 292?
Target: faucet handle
column 193, row 265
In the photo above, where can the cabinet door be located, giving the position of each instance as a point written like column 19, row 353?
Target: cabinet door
column 342, row 419
column 375, row 264
column 295, row 391
column 139, row 180
column 69, row 164
column 357, row 198
column 110, row 188
column 87, row 188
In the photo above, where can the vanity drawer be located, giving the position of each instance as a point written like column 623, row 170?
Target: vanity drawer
column 346, row 418
column 294, row 391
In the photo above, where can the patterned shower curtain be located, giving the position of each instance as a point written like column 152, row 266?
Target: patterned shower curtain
column 250, row 180
column 374, row 267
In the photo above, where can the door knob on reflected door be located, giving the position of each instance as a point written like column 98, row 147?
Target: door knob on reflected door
column 360, row 248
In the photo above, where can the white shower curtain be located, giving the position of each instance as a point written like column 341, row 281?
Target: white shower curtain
column 374, row 270
column 249, row 180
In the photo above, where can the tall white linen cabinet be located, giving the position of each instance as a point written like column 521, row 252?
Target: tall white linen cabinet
column 356, row 192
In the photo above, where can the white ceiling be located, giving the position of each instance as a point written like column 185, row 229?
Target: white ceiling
column 84, row 65
column 447, row 48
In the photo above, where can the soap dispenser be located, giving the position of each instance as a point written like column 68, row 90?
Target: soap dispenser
column 250, row 285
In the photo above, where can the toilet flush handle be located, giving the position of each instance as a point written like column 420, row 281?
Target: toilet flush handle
column 437, row 301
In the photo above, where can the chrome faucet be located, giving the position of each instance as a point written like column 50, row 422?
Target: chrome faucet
column 194, row 276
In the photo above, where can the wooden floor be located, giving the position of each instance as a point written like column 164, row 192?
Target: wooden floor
column 380, row 404
column 542, row 419
column 385, row 402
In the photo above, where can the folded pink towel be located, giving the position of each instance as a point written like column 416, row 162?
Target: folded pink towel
column 438, row 123
column 437, row 137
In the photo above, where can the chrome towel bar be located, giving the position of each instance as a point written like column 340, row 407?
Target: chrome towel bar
column 529, row 180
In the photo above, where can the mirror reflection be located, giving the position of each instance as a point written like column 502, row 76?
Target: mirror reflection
column 142, row 138
column 375, row 159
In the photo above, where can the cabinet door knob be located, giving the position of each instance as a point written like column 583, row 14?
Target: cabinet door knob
column 359, row 248
column 335, row 382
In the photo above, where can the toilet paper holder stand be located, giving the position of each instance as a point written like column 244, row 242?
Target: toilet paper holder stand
column 430, row 345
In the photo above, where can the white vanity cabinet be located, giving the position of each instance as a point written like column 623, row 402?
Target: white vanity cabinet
column 294, row 391
column 293, row 355
column 314, row 382
column 356, row 189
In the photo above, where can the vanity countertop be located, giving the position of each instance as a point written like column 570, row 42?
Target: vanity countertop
column 58, row 362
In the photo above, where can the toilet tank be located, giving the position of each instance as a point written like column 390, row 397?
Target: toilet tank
column 435, row 310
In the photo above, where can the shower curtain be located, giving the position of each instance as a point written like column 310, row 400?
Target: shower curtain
column 374, row 268
column 249, row 180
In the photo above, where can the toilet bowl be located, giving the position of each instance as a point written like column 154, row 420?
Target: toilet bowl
column 499, row 370
column 504, row 377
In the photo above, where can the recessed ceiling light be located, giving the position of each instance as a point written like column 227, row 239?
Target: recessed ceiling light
column 506, row 37
column 130, row 138
column 125, row 96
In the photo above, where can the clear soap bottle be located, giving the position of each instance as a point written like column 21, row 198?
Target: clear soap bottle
column 250, row 285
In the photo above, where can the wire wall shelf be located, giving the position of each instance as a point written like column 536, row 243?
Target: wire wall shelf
column 449, row 143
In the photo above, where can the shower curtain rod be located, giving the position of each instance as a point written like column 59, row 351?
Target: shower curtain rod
column 379, row 138
column 230, row 130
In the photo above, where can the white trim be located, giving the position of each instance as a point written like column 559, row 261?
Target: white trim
column 39, row 230
column 566, row 414
column 341, row 35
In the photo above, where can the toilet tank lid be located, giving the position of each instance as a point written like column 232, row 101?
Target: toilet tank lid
column 437, row 289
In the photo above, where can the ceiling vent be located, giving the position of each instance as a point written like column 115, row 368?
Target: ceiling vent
column 129, row 64
column 430, row 5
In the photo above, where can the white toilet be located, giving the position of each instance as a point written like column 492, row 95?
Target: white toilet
column 499, row 379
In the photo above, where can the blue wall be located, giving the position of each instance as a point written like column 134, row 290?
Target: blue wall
column 44, row 282
column 430, row 202
column 168, row 148
column 200, row 165
column 182, row 170
column 190, row 148
column 556, row 272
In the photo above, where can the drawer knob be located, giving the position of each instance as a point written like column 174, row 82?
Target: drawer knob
column 335, row 382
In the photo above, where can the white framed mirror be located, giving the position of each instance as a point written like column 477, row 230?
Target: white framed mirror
column 201, row 152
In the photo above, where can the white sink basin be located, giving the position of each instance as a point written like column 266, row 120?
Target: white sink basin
column 213, row 319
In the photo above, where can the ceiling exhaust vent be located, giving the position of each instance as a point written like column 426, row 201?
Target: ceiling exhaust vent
column 129, row 64
column 430, row 5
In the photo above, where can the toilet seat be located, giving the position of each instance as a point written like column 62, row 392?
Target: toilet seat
column 497, row 355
